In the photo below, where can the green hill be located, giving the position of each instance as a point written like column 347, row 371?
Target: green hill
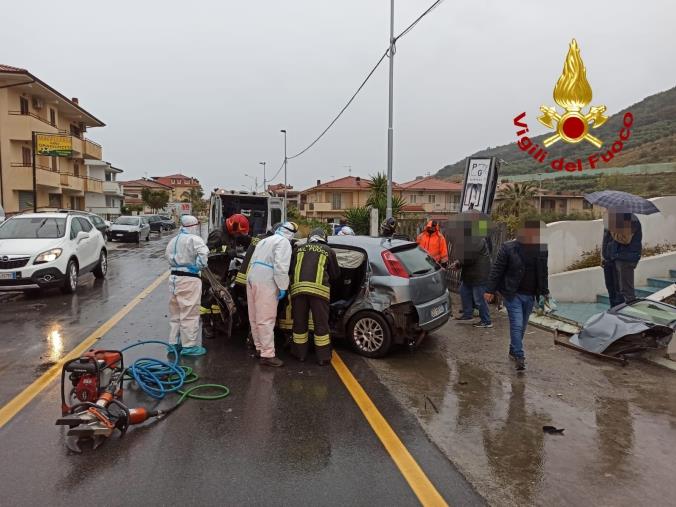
column 653, row 139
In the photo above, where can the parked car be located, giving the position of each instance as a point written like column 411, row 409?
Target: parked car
column 389, row 292
column 168, row 222
column 129, row 229
column 98, row 222
column 156, row 224
column 42, row 250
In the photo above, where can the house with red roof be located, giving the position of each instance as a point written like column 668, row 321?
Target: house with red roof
column 431, row 196
column 179, row 183
column 133, row 189
column 328, row 201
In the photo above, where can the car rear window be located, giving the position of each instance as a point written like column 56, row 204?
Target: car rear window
column 415, row 260
column 33, row 227
column 127, row 221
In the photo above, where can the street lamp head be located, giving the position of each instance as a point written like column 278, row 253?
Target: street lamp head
column 283, row 131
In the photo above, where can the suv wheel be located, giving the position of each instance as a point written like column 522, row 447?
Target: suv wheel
column 370, row 334
column 102, row 267
column 70, row 282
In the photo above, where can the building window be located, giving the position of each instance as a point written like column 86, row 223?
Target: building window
column 26, row 156
column 412, row 199
column 586, row 205
column 335, row 200
column 52, row 117
column 75, row 130
column 431, row 198
column 54, row 200
column 173, row 182
column 23, row 105
column 25, row 200
column 76, row 169
column 55, row 166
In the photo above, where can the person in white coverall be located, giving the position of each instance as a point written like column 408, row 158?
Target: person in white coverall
column 267, row 283
column 187, row 254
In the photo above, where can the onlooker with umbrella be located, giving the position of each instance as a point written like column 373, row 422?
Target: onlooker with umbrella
column 621, row 245
column 621, row 251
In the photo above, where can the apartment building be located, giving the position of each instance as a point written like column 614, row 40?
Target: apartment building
column 133, row 191
column 108, row 203
column 328, row 201
column 179, row 184
column 28, row 105
column 432, row 196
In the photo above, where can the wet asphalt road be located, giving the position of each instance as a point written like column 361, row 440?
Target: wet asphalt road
column 286, row 436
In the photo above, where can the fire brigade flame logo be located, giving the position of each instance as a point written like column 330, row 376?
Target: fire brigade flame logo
column 573, row 93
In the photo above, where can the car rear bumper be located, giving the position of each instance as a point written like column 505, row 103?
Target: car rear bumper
column 40, row 279
column 434, row 314
column 123, row 236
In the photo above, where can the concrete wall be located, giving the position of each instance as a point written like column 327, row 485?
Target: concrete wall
column 568, row 240
column 582, row 285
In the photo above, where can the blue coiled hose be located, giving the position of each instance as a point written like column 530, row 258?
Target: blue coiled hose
column 157, row 378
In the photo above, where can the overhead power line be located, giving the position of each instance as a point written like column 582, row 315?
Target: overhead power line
column 343, row 109
column 366, row 79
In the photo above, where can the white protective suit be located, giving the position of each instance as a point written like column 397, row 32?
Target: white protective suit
column 268, row 277
column 187, row 255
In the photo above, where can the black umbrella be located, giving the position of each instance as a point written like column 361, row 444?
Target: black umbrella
column 622, row 202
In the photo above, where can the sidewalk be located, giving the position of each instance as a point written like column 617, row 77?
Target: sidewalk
column 618, row 447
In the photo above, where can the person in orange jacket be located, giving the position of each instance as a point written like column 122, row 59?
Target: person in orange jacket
column 433, row 242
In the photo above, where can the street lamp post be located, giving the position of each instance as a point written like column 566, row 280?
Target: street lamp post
column 390, row 133
column 265, row 188
column 285, row 162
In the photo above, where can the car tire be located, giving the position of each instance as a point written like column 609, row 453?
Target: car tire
column 370, row 334
column 70, row 281
column 101, row 268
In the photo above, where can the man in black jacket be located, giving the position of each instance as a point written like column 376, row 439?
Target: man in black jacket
column 520, row 275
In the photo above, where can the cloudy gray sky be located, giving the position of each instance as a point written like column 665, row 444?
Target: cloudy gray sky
column 204, row 87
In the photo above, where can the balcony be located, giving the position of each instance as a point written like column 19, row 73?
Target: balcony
column 319, row 206
column 20, row 127
column 21, row 176
column 72, row 183
column 93, row 185
column 112, row 188
column 92, row 150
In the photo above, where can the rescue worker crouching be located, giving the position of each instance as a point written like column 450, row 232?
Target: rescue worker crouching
column 187, row 255
column 267, row 283
column 314, row 267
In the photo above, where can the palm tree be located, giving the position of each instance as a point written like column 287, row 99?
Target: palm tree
column 516, row 199
column 378, row 197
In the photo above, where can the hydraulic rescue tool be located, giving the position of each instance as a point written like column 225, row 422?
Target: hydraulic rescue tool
column 89, row 374
column 93, row 407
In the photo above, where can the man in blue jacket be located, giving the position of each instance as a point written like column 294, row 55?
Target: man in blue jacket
column 621, row 251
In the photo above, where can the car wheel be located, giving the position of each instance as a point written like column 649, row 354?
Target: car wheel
column 70, row 282
column 102, row 267
column 370, row 334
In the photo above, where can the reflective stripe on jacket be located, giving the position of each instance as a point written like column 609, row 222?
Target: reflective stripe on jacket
column 246, row 263
column 314, row 266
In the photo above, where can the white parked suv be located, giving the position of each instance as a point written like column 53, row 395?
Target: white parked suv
column 41, row 250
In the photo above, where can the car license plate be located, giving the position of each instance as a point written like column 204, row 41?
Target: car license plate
column 438, row 310
column 7, row 276
column 119, row 234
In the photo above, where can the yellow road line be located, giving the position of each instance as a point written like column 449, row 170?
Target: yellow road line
column 409, row 468
column 24, row 397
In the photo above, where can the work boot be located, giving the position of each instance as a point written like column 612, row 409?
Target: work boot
column 520, row 363
column 272, row 361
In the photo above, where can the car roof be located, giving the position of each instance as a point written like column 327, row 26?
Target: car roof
column 44, row 214
column 368, row 242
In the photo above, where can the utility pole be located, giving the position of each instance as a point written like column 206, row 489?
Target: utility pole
column 390, row 133
column 265, row 188
column 35, row 175
column 285, row 161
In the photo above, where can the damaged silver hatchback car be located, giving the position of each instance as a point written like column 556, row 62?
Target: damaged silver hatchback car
column 390, row 292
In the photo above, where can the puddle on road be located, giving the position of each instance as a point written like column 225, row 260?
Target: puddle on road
column 619, row 443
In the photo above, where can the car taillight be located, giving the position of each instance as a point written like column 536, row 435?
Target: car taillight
column 394, row 265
